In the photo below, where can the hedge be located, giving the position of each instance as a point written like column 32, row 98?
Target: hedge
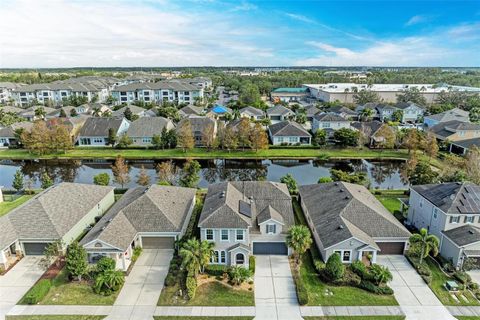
column 251, row 264
column 302, row 293
column 216, row 270
column 38, row 291
column 462, row 277
column 191, row 284
column 371, row 287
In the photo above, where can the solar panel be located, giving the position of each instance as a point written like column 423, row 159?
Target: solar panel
column 245, row 208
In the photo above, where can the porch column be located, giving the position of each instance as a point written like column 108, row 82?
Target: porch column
column 360, row 255
column 3, row 258
column 374, row 257
column 124, row 263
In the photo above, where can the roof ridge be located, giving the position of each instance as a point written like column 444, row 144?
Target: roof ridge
column 147, row 194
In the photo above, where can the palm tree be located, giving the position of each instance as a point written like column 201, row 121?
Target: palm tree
column 300, row 240
column 109, row 281
column 366, row 114
column 196, row 255
column 206, row 252
column 428, row 243
column 380, row 274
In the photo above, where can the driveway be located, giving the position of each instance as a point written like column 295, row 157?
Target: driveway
column 17, row 281
column 414, row 296
column 139, row 295
column 475, row 274
column 275, row 296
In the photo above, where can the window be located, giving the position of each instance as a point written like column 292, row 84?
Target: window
column 326, row 125
column 214, row 257
column 435, row 211
column 209, row 234
column 85, row 141
column 218, row 256
column 97, row 140
column 292, row 139
column 146, row 140
column 271, row 228
column 223, row 257
column 224, row 235
column 455, row 219
column 240, row 235
column 345, row 255
column 239, row 258
column 280, row 139
column 469, row 219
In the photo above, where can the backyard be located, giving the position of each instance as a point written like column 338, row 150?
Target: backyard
column 390, row 200
column 11, row 203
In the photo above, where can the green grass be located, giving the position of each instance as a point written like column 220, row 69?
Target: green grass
column 55, row 317
column 64, row 292
column 209, row 294
column 356, row 318
column 438, row 280
column 467, row 318
column 389, row 199
column 201, row 318
column 8, row 206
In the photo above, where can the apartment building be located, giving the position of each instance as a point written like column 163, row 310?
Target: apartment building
column 6, row 89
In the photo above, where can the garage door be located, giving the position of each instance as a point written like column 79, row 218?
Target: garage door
column 391, row 247
column 35, row 248
column 158, row 242
column 277, row 248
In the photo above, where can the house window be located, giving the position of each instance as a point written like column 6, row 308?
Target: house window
column 146, row 140
column 271, row 228
column 224, row 235
column 435, row 211
column 469, row 219
column 455, row 219
column 223, row 257
column 239, row 258
column 345, row 255
column 292, row 139
column 97, row 140
column 326, row 125
column 240, row 235
column 214, row 257
column 209, row 234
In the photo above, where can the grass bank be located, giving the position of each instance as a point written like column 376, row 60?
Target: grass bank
column 8, row 206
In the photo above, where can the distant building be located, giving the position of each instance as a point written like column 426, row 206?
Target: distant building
column 289, row 132
column 95, row 130
column 449, row 115
column 288, row 94
column 142, row 130
column 198, row 125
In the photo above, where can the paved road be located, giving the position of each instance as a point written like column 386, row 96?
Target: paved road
column 416, row 299
column 275, row 296
column 17, row 281
column 139, row 295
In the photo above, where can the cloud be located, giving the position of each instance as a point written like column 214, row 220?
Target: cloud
column 416, row 20
column 245, row 6
column 299, row 17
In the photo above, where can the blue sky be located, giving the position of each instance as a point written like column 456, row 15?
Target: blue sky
column 60, row 33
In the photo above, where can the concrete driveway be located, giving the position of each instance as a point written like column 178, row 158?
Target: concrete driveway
column 475, row 274
column 275, row 296
column 139, row 295
column 414, row 296
column 17, row 281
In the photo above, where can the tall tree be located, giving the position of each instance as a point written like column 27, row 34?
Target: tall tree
column 101, row 179
column 143, row 178
column 412, row 95
column 319, row 138
column 258, row 138
column 128, row 114
column 112, row 137
column 346, row 137
column 17, row 183
column 426, row 243
column 191, row 256
column 120, row 171
column 300, row 240
column 167, row 172
column 431, row 145
column 189, row 176
column 76, row 261
column 208, row 136
column 423, row 174
column 185, row 138
column 366, row 114
column 243, row 133
column 472, row 165
column 387, row 135
column 47, row 182
column 291, row 183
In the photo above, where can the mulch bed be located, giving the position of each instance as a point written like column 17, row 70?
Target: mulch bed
column 53, row 270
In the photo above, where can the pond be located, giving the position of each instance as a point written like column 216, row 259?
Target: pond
column 382, row 174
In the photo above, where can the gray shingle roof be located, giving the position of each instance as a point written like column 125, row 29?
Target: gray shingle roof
column 464, row 235
column 8, row 235
column 252, row 111
column 288, row 129
column 404, row 105
column 55, row 211
column 143, row 209
column 149, row 126
column 452, row 197
column 449, row 115
column 198, row 123
column 269, row 213
column 9, row 132
column 373, row 126
column 278, row 110
column 190, row 109
column 341, row 109
column 98, row 127
column 340, row 211
column 446, row 129
column 475, row 142
column 135, row 110
column 329, row 117
column 222, row 204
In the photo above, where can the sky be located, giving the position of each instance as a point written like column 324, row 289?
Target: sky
column 167, row 33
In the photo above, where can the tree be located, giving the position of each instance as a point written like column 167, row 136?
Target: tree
column 230, row 139
column 356, row 177
column 73, row 112
column 431, row 145
column 189, row 176
column 423, row 174
column 243, row 133
column 289, row 180
column 472, row 164
column 143, row 179
column 167, row 172
column 380, row 274
column 300, row 240
column 397, row 115
column 101, row 179
column 366, row 96
column 185, row 138
column 366, row 114
column 40, row 112
column 53, row 252
column 124, row 141
column 112, row 137
column 17, row 183
column 426, row 243
column 208, row 136
column 325, row 180
column 76, row 260
column 192, row 259
column 319, row 138
column 387, row 135
column 475, row 115
column 412, row 95
column 206, row 252
column 334, row 267
column 258, row 138
column 157, row 142
column 249, row 95
column 169, row 112
column 47, row 182
column 62, row 114
column 128, row 114
column 120, row 171
column 412, row 140
column 346, row 137
column 60, row 139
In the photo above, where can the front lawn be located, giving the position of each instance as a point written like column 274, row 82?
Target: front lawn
column 356, row 318
column 64, row 292
column 8, row 206
column 54, row 317
column 342, row 295
column 437, row 286
column 208, row 294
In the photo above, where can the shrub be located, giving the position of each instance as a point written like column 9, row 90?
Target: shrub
column 359, row 268
column 238, row 275
column 380, row 274
column 334, row 269
column 216, row 270
column 38, row 291
column 319, row 265
column 473, row 286
column 105, row 264
column 137, row 251
column 108, row 281
column 251, row 264
column 302, row 293
column 427, row 279
column 191, row 284
column 170, row 280
column 349, row 279
column 462, row 277
column 371, row 287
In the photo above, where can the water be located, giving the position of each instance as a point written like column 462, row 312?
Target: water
column 382, row 174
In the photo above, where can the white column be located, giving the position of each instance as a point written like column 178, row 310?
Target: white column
column 124, row 263
column 360, row 255
column 374, row 257
column 3, row 257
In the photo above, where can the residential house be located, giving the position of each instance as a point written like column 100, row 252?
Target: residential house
column 411, row 112
column 61, row 212
column 456, row 130
column 9, row 136
column 190, row 110
column 11, row 109
column 95, row 130
column 385, row 111
column 370, row 105
column 198, row 125
column 72, row 124
column 449, row 115
column 311, row 111
column 219, row 112
column 142, row 130
column 30, row 114
column 288, row 94
column 136, row 111
column 450, row 211
column 372, row 130
column 343, row 112
column 246, row 218
column 151, row 217
column 462, row 146
column 329, row 122
column 252, row 113
column 279, row 113
column 288, row 132
column 347, row 219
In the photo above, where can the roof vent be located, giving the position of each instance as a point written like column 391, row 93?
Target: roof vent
column 340, row 227
column 103, row 228
column 336, row 183
column 470, row 231
column 347, row 197
column 341, row 190
column 222, row 195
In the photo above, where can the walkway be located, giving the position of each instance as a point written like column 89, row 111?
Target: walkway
column 275, row 295
column 17, row 281
column 139, row 295
column 414, row 296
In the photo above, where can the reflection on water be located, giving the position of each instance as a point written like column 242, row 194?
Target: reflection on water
column 382, row 174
